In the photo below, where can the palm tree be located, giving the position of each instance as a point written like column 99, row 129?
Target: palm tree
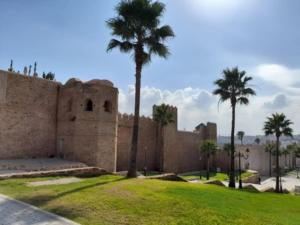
column 269, row 148
column 257, row 140
column 209, row 148
column 233, row 87
column 241, row 135
column 163, row 116
column 285, row 151
column 279, row 126
column 137, row 25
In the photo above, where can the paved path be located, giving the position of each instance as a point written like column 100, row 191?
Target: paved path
column 289, row 182
column 13, row 212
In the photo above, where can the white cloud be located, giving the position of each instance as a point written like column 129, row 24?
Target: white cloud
column 280, row 101
column 198, row 105
column 280, row 76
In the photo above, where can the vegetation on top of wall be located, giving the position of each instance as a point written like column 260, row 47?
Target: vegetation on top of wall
column 48, row 76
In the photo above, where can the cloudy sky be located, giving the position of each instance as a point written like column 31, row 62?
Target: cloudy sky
column 69, row 37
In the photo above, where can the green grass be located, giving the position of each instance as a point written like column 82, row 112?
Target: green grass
column 213, row 176
column 112, row 200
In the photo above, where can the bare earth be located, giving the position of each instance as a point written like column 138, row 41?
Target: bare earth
column 68, row 180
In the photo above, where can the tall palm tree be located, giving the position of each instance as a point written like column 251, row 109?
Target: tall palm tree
column 269, row 148
column 163, row 116
column 241, row 135
column 137, row 24
column 233, row 87
column 279, row 126
column 208, row 148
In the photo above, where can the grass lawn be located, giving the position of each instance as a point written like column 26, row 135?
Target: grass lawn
column 113, row 200
column 213, row 176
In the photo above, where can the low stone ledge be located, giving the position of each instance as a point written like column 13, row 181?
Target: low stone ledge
column 78, row 172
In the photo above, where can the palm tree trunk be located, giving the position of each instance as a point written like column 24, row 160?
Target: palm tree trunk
column 162, row 149
column 270, row 163
column 157, row 148
column 277, row 189
column 132, row 172
column 207, row 168
column 232, row 167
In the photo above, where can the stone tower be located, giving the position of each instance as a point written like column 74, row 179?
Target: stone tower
column 87, row 122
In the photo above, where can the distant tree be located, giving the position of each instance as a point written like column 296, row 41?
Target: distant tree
column 297, row 150
column 137, row 25
column 163, row 117
column 227, row 148
column 29, row 71
column 208, row 148
column 34, row 70
column 49, row 76
column 257, row 141
column 241, row 135
column 269, row 148
column 11, row 69
column 279, row 126
column 285, row 151
column 233, row 87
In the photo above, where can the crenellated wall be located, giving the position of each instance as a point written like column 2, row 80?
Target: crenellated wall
column 80, row 121
column 180, row 151
column 27, row 116
column 88, row 135
column 146, row 142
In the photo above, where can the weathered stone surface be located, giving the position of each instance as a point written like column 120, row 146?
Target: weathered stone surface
column 79, row 121
column 78, row 172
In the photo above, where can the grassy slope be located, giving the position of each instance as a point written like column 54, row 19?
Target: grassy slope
column 113, row 200
column 213, row 176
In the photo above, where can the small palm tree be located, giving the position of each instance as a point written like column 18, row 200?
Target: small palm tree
column 163, row 116
column 208, row 148
column 279, row 126
column 137, row 25
column 269, row 148
column 233, row 87
column 257, row 141
column 241, row 135
column 285, row 151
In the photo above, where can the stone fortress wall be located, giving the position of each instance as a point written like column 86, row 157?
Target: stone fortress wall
column 28, row 108
column 80, row 121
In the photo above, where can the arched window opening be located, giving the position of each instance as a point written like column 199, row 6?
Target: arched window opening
column 89, row 105
column 107, row 106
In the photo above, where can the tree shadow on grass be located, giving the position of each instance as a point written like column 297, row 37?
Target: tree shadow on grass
column 42, row 199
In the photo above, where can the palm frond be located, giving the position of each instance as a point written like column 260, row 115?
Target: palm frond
column 124, row 46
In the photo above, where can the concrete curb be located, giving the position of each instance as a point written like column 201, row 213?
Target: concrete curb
column 54, row 216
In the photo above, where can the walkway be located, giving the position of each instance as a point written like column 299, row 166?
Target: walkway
column 13, row 212
column 289, row 182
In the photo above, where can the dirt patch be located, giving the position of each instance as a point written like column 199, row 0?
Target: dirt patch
column 60, row 181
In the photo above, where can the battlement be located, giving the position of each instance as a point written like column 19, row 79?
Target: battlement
column 80, row 121
column 129, row 118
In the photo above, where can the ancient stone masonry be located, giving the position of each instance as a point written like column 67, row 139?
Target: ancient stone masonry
column 80, row 121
